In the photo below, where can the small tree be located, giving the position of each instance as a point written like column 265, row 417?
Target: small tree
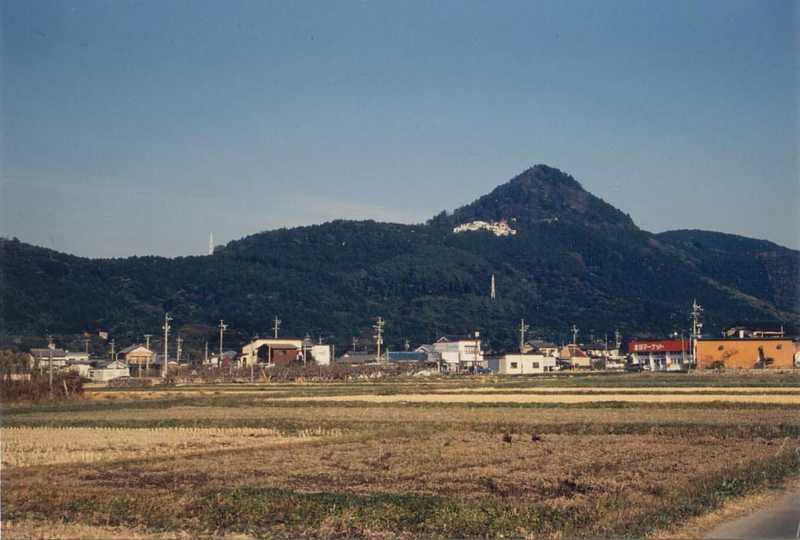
column 12, row 363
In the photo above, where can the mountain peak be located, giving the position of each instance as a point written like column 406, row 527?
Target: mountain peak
column 544, row 174
column 543, row 194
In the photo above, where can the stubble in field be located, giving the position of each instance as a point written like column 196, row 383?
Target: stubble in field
column 25, row 447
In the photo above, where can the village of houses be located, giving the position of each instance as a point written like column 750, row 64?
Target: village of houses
column 737, row 348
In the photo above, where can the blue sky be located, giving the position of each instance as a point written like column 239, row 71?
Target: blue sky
column 140, row 127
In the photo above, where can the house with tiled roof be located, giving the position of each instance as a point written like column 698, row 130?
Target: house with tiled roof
column 575, row 356
column 137, row 354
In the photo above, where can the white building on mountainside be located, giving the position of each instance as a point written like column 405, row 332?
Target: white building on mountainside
column 498, row 228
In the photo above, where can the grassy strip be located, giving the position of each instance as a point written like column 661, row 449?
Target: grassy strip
column 589, row 392
column 245, row 401
column 512, row 428
column 711, row 493
column 558, row 379
column 273, row 512
column 674, row 429
column 277, row 512
column 285, row 426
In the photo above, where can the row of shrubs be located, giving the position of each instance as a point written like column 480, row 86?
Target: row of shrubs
column 287, row 373
column 335, row 372
column 66, row 385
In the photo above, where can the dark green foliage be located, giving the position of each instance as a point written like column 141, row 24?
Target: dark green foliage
column 756, row 267
column 575, row 260
column 37, row 387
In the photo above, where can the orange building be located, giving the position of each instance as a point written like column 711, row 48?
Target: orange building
column 745, row 353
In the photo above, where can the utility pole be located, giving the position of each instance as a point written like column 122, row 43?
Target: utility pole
column 147, row 360
column 50, row 347
column 697, row 327
column 222, row 328
column 683, row 351
column 276, row 324
column 407, row 344
column 477, row 350
column 493, row 293
column 355, row 343
column 205, row 356
column 378, row 327
column 697, row 313
column 522, row 329
column 618, row 339
column 180, row 350
column 166, row 327
column 113, row 354
column 575, row 334
column 86, row 346
column 307, row 341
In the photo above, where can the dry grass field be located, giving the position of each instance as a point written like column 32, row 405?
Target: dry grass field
column 314, row 460
column 36, row 446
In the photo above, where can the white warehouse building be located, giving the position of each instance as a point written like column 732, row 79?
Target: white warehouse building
column 522, row 364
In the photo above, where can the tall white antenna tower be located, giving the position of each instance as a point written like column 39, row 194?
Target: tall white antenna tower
column 211, row 243
column 522, row 329
column 378, row 327
column 493, row 293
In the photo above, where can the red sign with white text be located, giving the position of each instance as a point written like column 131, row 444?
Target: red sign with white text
column 658, row 346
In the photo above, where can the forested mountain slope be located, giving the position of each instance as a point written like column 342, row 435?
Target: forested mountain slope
column 573, row 259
